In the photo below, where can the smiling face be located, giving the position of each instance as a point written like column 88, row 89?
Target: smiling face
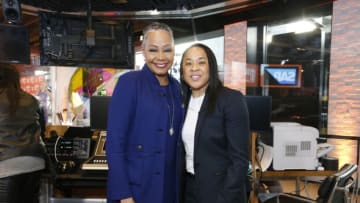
column 158, row 51
column 195, row 67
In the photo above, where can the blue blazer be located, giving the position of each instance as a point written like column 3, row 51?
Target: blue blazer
column 136, row 144
column 221, row 150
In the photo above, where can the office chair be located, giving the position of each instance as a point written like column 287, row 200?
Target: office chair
column 334, row 189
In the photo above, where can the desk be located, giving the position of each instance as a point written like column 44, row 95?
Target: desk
column 297, row 174
column 269, row 175
column 294, row 173
column 87, row 184
column 81, row 185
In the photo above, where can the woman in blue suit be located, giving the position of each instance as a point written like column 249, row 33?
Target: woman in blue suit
column 144, row 126
column 215, row 133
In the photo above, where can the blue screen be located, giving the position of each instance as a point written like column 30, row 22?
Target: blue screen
column 280, row 76
column 283, row 76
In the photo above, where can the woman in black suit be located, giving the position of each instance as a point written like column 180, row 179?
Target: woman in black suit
column 215, row 133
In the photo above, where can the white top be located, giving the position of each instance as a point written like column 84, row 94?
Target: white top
column 188, row 131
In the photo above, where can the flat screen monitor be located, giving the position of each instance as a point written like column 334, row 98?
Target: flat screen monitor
column 14, row 44
column 99, row 106
column 259, row 108
column 281, row 76
column 69, row 40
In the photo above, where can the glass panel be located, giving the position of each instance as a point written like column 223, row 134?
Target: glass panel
column 293, row 68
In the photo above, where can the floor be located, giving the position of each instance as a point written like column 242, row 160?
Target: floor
column 308, row 188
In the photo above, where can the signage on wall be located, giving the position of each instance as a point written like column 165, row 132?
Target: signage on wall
column 252, row 75
column 33, row 84
column 281, row 76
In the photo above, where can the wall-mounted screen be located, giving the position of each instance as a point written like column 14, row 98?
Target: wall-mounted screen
column 252, row 75
column 14, row 44
column 281, row 76
column 67, row 40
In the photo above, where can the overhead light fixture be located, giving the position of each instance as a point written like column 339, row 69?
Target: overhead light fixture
column 154, row 12
column 295, row 27
column 282, row 62
column 269, row 38
column 302, row 26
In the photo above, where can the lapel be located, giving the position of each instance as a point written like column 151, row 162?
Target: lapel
column 199, row 124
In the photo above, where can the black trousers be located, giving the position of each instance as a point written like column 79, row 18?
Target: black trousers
column 190, row 190
column 23, row 188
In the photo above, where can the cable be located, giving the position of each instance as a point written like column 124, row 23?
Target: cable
column 55, row 146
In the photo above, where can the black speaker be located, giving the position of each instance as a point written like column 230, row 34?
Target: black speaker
column 14, row 44
column 12, row 11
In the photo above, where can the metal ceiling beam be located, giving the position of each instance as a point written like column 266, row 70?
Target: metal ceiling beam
column 226, row 6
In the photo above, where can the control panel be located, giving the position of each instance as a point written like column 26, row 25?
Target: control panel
column 65, row 149
column 98, row 160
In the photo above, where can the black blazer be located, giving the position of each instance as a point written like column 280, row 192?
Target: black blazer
column 221, row 151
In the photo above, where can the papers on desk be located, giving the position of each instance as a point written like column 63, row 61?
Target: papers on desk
column 264, row 155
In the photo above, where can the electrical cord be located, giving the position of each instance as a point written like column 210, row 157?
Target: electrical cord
column 261, row 151
column 63, row 166
column 55, row 147
column 258, row 183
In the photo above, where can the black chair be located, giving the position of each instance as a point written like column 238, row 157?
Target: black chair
column 334, row 189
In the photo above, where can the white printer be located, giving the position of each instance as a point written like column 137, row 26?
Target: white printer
column 295, row 146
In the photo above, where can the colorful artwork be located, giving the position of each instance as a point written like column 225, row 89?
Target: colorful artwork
column 87, row 82
column 32, row 84
column 37, row 86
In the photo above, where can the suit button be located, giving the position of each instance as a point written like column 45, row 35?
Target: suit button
column 139, row 147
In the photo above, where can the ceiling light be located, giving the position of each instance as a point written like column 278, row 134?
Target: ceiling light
column 154, row 12
column 296, row 27
column 269, row 38
column 302, row 26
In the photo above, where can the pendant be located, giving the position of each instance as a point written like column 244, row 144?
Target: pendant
column 171, row 131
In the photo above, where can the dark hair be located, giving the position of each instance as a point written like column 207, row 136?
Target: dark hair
column 10, row 84
column 214, row 81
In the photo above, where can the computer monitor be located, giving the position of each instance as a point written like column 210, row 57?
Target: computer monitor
column 259, row 108
column 99, row 106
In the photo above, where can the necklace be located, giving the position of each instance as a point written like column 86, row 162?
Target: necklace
column 171, row 113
